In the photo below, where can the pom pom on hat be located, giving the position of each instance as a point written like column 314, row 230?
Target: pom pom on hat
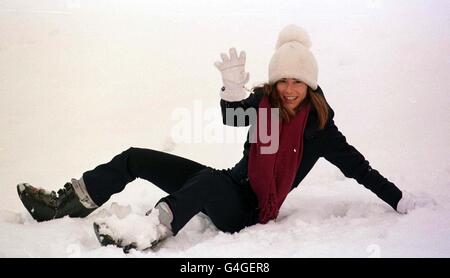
column 292, row 57
column 293, row 33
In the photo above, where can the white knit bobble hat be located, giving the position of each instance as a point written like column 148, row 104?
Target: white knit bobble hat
column 292, row 58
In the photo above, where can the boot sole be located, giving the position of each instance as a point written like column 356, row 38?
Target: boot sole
column 32, row 205
column 106, row 240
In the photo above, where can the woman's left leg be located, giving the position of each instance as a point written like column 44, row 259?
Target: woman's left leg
column 231, row 206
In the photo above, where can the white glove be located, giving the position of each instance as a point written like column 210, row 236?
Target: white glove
column 409, row 202
column 234, row 76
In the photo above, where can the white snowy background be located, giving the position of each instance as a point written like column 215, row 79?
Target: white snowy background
column 81, row 81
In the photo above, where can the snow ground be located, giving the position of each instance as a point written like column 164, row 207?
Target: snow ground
column 81, row 81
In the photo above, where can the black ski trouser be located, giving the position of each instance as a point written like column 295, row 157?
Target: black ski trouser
column 192, row 187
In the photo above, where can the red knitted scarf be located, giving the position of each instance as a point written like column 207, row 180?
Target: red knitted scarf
column 271, row 175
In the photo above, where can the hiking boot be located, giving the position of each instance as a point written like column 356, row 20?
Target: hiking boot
column 44, row 205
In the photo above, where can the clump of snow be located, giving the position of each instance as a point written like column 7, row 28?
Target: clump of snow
column 116, row 210
column 21, row 187
column 132, row 228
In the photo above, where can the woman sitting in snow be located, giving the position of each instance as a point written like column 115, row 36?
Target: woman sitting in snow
column 254, row 189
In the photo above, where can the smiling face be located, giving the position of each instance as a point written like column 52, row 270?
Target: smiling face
column 292, row 92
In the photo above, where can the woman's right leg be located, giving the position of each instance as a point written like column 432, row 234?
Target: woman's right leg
column 168, row 172
column 81, row 197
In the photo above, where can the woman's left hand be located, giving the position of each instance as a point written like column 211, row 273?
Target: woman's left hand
column 408, row 202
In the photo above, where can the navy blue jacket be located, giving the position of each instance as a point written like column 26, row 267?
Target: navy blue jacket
column 328, row 143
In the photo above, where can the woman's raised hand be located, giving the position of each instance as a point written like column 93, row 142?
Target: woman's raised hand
column 234, row 76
